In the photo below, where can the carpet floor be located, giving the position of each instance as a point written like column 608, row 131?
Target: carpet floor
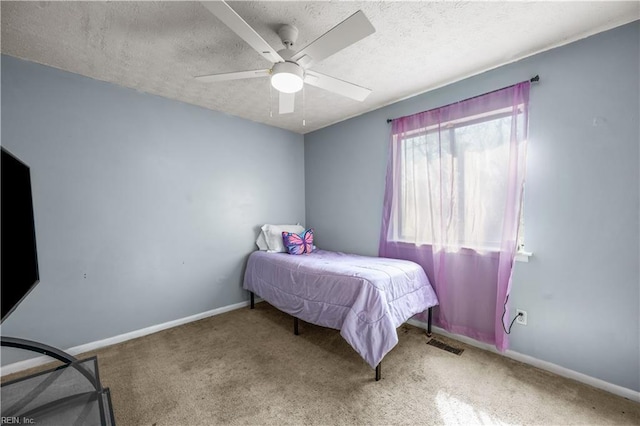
column 247, row 367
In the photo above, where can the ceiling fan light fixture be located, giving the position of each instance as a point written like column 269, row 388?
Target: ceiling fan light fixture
column 287, row 77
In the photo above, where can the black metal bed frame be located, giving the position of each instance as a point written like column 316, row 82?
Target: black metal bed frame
column 379, row 366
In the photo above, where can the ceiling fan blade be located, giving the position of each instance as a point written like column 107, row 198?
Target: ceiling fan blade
column 354, row 28
column 231, row 19
column 212, row 78
column 334, row 85
column 286, row 102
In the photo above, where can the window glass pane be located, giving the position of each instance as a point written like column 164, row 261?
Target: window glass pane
column 462, row 170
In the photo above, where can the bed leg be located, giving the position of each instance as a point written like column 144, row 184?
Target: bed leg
column 429, row 316
column 295, row 326
column 378, row 371
column 253, row 300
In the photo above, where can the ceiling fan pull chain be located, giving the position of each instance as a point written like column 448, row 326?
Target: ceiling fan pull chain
column 304, row 123
column 270, row 100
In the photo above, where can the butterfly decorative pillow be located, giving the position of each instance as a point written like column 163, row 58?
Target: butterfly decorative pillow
column 298, row 243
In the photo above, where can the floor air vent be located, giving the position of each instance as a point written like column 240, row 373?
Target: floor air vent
column 445, row 347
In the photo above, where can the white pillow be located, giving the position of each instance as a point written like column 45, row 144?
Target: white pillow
column 273, row 235
column 261, row 242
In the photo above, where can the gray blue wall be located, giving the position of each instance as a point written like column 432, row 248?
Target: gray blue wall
column 145, row 208
column 581, row 287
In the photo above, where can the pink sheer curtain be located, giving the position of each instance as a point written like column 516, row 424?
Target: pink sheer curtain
column 452, row 203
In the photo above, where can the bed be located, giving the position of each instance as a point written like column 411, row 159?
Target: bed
column 366, row 298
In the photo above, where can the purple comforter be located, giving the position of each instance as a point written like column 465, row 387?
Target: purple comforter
column 366, row 298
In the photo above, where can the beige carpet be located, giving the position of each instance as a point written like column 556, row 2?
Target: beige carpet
column 247, row 367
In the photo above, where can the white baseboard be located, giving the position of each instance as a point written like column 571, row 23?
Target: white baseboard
column 544, row 365
column 41, row 360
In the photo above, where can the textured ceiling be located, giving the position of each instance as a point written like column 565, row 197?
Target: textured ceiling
column 158, row 47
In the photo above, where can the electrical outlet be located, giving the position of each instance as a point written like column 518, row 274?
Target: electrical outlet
column 522, row 317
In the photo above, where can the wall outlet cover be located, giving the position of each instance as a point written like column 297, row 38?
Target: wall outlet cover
column 521, row 319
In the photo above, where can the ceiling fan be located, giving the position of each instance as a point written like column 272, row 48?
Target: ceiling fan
column 290, row 70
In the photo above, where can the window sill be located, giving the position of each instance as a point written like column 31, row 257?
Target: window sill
column 523, row 256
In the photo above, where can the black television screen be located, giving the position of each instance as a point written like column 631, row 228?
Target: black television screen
column 19, row 267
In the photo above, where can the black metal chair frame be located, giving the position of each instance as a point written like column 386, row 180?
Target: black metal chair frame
column 70, row 362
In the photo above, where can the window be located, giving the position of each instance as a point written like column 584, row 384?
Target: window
column 453, row 179
column 452, row 202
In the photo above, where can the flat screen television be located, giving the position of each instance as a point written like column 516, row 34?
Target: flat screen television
column 19, row 267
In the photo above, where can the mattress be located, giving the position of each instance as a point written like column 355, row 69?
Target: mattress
column 366, row 298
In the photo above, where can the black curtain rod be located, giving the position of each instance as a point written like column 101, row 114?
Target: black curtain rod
column 533, row 79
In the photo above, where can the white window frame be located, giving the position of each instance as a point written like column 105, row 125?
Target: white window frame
column 521, row 254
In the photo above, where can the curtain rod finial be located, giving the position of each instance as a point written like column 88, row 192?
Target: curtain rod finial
column 535, row 79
